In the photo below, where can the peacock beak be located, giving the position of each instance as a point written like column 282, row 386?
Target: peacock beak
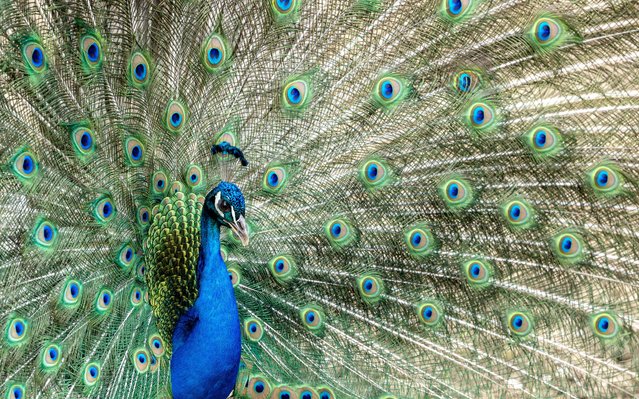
column 239, row 228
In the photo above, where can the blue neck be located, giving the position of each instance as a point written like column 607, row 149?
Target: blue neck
column 206, row 340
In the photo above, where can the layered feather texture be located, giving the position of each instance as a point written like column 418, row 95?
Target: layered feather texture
column 442, row 195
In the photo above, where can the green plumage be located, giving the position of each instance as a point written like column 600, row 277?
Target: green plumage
column 441, row 195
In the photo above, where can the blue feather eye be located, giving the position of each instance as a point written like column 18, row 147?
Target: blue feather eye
column 457, row 193
column 139, row 71
column 235, row 276
column 568, row 247
column 16, row 331
column 430, row 313
column 91, row 51
column 283, row 5
column 275, row 179
column 325, row 393
column 253, row 330
column 481, row 116
column 153, row 364
column 141, row 361
column 606, row 179
column 24, row 165
column 143, row 216
column 103, row 301
column 307, row 393
column 296, row 94
column 104, row 210
column 374, row 173
column 478, row 273
column 312, row 318
column 16, row 391
column 159, row 183
column 175, row 117
column 134, row 151
column 194, row 176
column 546, row 31
column 370, row 288
column 419, row 240
column 126, row 256
column 71, row 294
column 389, row 91
column 135, row 297
column 283, row 268
column 544, row 141
column 259, row 388
column 50, row 357
column 456, row 10
column 214, row 53
column 83, row 141
column 466, row 81
column 45, row 234
column 339, row 232
column 91, row 374
column 285, row 10
column 519, row 324
column 34, row 57
column 156, row 343
column 605, row 325
column 518, row 213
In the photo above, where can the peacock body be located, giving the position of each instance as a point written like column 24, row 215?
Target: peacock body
column 300, row 199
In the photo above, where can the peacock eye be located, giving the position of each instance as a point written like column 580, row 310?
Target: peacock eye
column 225, row 207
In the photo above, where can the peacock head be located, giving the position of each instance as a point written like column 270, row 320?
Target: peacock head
column 225, row 204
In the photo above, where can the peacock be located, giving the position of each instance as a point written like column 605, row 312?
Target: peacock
column 319, row 199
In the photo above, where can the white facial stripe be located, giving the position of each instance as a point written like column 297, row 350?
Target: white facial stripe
column 218, row 197
column 233, row 213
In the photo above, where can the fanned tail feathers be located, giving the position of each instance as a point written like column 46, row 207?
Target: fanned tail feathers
column 441, row 195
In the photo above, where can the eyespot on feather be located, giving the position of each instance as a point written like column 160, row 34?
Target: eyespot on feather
column 175, row 117
column 134, row 151
column 519, row 323
column 457, row 193
column 419, row 240
column 104, row 210
column 159, row 183
column 135, row 296
column 478, row 273
column 16, row 331
column 24, row 165
column 606, row 180
column 50, row 357
column 283, row 268
column 457, row 10
column 430, row 313
column 312, row 318
column 568, row 247
column 141, row 360
column 194, row 177
column 34, row 56
column 91, row 49
column 214, row 53
column 259, row 388
column 389, row 91
column 253, row 329
column 370, row 288
column 296, row 95
column 103, row 301
column 339, row 232
column 139, row 70
column 83, row 140
column 71, row 294
column 275, row 179
column 91, row 374
column 606, row 325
